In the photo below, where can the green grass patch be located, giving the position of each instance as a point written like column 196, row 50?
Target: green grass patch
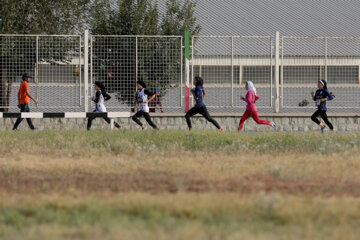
column 117, row 142
column 224, row 215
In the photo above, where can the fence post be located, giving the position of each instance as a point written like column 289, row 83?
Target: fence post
column 277, row 64
column 80, row 77
column 232, row 71
column 86, row 70
column 37, row 69
column 187, row 70
column 181, row 71
column 326, row 53
column 136, row 60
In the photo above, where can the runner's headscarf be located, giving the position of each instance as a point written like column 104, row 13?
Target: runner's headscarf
column 199, row 81
column 323, row 82
column 103, row 90
column 141, row 83
column 251, row 86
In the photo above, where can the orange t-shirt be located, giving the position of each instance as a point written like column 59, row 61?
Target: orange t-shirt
column 24, row 99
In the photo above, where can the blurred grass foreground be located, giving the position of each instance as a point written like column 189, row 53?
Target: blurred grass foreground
column 178, row 185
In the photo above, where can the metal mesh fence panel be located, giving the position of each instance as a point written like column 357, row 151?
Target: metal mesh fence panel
column 17, row 55
column 54, row 62
column 226, row 63
column 59, row 80
column 342, row 73
column 305, row 60
column 119, row 61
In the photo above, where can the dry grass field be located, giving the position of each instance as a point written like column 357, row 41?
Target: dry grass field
column 178, row 185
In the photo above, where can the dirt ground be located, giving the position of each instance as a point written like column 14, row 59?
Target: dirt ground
column 152, row 181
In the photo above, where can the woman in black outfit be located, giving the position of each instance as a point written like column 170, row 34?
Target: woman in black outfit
column 199, row 94
column 320, row 97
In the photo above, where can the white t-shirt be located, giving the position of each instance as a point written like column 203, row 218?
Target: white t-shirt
column 142, row 96
column 100, row 107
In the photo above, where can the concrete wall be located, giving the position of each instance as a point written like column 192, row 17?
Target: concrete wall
column 288, row 123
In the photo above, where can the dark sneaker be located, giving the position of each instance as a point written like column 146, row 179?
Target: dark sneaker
column 323, row 129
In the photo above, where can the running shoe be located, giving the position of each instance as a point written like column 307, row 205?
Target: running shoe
column 323, row 129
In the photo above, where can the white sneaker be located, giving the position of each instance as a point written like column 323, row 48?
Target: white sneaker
column 273, row 125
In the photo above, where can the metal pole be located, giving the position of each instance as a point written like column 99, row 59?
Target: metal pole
column 181, row 71
column 86, row 70
column 80, row 71
column 325, row 73
column 136, row 59
column 271, row 72
column 187, row 67
column 91, row 77
column 277, row 49
column 37, row 69
column 282, row 71
column 232, row 71
column 240, row 74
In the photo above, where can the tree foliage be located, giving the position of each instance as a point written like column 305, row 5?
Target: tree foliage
column 18, row 54
column 43, row 16
column 158, row 59
column 116, row 56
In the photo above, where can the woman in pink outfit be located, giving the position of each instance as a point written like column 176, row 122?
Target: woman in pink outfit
column 251, row 110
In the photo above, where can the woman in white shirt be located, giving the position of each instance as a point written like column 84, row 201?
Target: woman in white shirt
column 99, row 98
column 141, row 97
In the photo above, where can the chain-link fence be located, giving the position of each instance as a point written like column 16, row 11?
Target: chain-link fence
column 227, row 62
column 305, row 60
column 119, row 61
column 55, row 65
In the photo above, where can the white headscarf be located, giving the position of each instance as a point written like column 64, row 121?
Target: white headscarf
column 251, row 86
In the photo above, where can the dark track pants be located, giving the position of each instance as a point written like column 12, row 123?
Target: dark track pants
column 323, row 115
column 24, row 108
column 203, row 111
column 146, row 115
column 90, row 119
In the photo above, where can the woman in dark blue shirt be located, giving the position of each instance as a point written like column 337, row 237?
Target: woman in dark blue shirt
column 199, row 107
column 320, row 97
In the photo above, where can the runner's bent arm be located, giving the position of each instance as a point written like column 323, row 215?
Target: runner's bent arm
column 97, row 97
column 152, row 97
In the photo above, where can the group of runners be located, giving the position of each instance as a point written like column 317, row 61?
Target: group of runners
column 143, row 97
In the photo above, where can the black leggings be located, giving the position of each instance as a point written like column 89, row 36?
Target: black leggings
column 90, row 119
column 146, row 116
column 323, row 115
column 203, row 111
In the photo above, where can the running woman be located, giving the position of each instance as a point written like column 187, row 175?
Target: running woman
column 250, row 98
column 24, row 101
column 199, row 95
column 99, row 98
column 141, row 97
column 320, row 97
